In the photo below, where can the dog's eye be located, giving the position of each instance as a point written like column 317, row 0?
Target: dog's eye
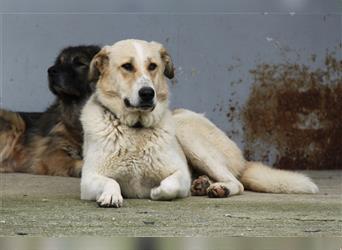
column 128, row 66
column 78, row 62
column 152, row 66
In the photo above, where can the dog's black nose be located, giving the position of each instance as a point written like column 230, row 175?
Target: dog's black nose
column 52, row 71
column 146, row 94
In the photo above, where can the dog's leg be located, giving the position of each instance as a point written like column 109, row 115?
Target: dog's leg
column 210, row 152
column 174, row 186
column 55, row 162
column 226, row 184
column 104, row 190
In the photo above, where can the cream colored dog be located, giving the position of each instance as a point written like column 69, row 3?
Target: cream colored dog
column 134, row 147
column 130, row 145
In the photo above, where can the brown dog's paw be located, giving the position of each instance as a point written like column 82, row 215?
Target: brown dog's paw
column 200, row 185
column 217, row 190
column 76, row 171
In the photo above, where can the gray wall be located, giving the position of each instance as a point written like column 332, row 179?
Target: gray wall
column 214, row 45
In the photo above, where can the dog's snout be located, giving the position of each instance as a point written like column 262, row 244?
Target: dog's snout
column 52, row 71
column 146, row 94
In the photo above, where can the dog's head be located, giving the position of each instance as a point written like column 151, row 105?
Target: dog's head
column 68, row 77
column 131, row 80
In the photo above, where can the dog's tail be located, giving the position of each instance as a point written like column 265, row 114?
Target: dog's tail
column 12, row 129
column 260, row 178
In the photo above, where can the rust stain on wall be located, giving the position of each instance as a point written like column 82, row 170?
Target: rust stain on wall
column 299, row 112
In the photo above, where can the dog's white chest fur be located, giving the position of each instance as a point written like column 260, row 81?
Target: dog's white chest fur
column 137, row 158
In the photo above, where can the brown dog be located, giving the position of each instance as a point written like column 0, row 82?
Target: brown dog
column 52, row 144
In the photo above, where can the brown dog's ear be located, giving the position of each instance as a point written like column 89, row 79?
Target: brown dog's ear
column 98, row 65
column 169, row 70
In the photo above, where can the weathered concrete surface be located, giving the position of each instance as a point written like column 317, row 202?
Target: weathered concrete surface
column 50, row 206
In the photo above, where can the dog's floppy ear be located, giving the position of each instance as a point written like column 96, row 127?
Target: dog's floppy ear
column 98, row 65
column 169, row 70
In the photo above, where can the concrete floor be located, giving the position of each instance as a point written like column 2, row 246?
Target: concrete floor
column 50, row 206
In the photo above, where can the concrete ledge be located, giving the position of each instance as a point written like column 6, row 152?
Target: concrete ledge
column 50, row 206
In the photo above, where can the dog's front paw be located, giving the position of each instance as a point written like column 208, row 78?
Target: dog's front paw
column 157, row 193
column 110, row 199
column 162, row 193
column 217, row 190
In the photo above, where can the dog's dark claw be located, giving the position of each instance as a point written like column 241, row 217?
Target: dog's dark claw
column 106, row 205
